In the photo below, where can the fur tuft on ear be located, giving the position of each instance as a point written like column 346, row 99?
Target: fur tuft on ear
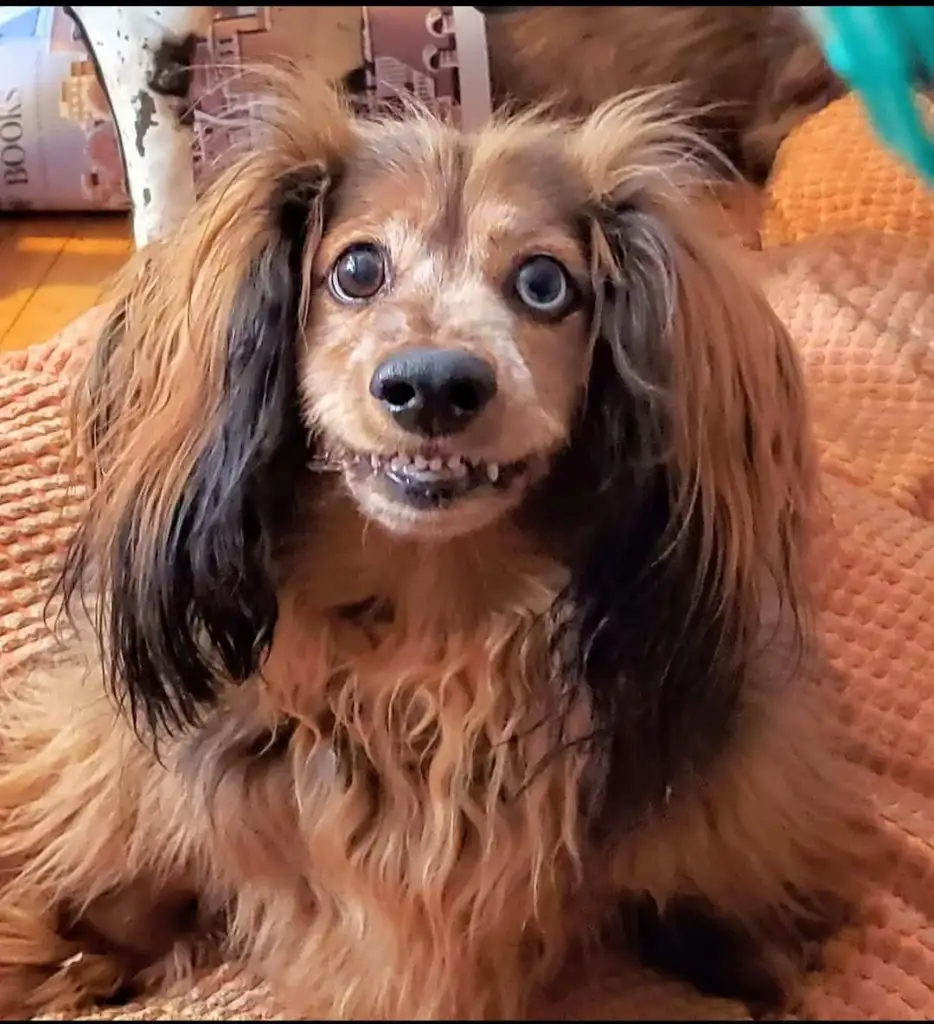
column 187, row 421
column 691, row 464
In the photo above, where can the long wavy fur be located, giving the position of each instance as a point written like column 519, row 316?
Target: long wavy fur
column 423, row 811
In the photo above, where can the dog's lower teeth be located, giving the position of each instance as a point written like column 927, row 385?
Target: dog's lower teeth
column 435, row 469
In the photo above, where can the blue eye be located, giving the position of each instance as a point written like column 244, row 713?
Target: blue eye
column 358, row 273
column 544, row 286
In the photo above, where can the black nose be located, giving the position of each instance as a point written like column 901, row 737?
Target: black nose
column 431, row 391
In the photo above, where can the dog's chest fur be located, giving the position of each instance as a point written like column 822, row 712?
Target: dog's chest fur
column 413, row 735
column 429, row 659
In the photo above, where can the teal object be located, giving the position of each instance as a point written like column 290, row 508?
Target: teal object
column 885, row 54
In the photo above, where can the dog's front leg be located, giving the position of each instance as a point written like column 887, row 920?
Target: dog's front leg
column 739, row 880
column 95, row 886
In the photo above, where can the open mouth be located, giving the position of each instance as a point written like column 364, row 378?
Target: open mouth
column 434, row 481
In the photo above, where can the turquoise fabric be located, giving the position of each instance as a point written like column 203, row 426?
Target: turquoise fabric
column 885, row 54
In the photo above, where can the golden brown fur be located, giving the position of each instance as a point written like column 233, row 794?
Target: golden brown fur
column 754, row 72
column 404, row 813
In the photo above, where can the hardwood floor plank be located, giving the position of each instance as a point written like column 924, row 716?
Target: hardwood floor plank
column 53, row 269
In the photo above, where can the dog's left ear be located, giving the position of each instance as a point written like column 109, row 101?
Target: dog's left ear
column 189, row 424
column 691, row 469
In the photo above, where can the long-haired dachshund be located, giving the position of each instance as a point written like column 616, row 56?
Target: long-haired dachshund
column 445, row 557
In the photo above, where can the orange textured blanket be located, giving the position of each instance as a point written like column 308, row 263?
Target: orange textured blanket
column 847, row 249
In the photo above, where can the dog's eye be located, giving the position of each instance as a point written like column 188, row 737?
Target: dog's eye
column 543, row 285
column 358, row 273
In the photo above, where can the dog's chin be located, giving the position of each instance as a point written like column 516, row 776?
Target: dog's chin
column 435, row 498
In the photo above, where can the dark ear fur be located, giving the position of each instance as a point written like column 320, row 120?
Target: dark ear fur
column 659, row 619
column 191, row 603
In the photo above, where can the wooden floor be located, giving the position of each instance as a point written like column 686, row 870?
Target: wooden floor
column 54, row 268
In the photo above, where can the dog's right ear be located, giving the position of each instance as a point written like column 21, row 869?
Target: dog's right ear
column 187, row 421
column 693, row 462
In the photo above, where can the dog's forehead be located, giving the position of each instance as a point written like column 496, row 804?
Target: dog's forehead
column 454, row 189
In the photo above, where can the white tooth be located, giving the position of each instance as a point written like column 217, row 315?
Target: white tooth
column 455, row 462
column 492, row 471
column 374, row 462
column 436, row 464
column 421, row 462
column 404, row 459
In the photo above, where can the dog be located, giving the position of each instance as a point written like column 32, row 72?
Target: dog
column 751, row 73
column 445, row 566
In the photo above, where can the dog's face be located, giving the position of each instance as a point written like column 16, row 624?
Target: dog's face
column 450, row 323
column 461, row 325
